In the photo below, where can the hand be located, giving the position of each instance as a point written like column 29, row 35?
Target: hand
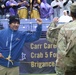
column 3, row 6
column 39, row 21
column 12, row 4
column 1, row 56
column 24, row 1
column 55, row 20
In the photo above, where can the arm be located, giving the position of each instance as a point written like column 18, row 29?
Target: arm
column 49, row 11
column 12, row 5
column 35, row 35
column 54, row 4
column 64, row 4
column 51, row 31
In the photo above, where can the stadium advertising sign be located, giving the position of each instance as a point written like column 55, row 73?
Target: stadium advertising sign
column 38, row 57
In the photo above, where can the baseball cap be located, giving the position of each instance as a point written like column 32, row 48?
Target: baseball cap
column 14, row 19
column 73, row 7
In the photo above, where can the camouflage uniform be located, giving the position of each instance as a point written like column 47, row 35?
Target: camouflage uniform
column 52, row 36
column 66, row 51
column 66, row 47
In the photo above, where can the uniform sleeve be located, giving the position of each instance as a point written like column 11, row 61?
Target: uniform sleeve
column 52, row 33
column 61, row 46
column 48, row 33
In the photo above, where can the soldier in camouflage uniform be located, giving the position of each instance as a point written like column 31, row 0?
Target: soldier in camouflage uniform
column 52, row 36
column 66, row 46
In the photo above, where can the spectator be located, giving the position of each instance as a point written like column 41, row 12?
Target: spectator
column 65, row 17
column 2, row 9
column 23, row 10
column 46, row 11
column 61, row 7
column 56, row 4
column 13, row 6
column 67, row 4
column 35, row 9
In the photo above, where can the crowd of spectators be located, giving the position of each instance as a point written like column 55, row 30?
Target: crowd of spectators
column 25, row 8
column 34, row 8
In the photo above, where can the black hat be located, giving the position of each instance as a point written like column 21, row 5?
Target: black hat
column 14, row 19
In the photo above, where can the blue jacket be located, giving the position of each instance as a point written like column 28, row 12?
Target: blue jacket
column 12, row 42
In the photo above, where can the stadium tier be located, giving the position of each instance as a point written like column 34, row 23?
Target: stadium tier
column 28, row 25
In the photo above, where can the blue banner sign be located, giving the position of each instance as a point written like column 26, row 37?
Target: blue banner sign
column 38, row 57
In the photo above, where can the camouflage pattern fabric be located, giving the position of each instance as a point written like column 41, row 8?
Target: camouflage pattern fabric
column 52, row 33
column 66, row 51
column 65, row 38
column 52, row 36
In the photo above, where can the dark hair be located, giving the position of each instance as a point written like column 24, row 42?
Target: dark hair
column 14, row 19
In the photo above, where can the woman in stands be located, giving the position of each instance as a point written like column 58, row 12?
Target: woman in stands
column 45, row 10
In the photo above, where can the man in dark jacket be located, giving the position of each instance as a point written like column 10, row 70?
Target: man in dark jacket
column 11, row 43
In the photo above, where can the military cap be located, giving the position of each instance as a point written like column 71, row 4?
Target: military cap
column 73, row 7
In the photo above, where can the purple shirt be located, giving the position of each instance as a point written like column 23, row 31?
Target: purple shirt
column 45, row 9
column 12, row 11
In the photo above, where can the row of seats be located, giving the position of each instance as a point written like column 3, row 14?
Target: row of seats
column 27, row 24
